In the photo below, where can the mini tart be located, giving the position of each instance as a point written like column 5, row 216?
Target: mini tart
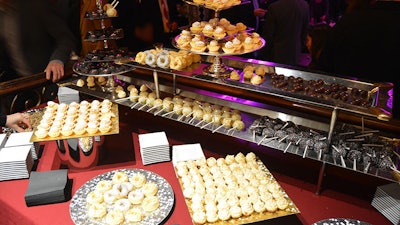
column 67, row 131
column 104, row 128
column 213, row 46
column 41, row 133
column 196, row 28
column 248, row 44
column 228, row 47
column 208, row 30
column 219, row 32
column 199, row 46
column 79, row 130
column 53, row 133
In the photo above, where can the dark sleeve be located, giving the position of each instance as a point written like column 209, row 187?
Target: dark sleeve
column 3, row 119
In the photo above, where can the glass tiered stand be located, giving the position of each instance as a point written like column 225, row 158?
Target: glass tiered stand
column 217, row 68
column 102, row 66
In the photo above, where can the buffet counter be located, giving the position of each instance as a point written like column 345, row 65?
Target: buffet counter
column 118, row 154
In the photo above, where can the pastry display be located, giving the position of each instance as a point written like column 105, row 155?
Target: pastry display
column 237, row 189
column 118, row 197
column 168, row 59
column 60, row 121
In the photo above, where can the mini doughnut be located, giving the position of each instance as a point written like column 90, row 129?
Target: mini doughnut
column 120, row 189
column 150, row 188
column 97, row 211
column 103, row 186
column 136, row 196
column 134, row 215
column 163, row 61
column 138, row 180
column 119, row 177
column 114, row 217
column 150, row 203
column 151, row 59
column 94, row 197
column 110, row 196
column 122, row 205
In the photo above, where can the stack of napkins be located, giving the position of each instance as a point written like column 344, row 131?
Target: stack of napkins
column 67, row 95
column 387, row 201
column 187, row 152
column 21, row 139
column 154, row 147
column 48, row 187
column 15, row 162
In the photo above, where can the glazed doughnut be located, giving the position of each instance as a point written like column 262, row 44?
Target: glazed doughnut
column 121, row 190
column 136, row 196
column 151, row 59
column 150, row 203
column 110, row 196
column 122, row 205
column 119, row 177
column 163, row 61
column 140, row 57
column 114, row 217
column 134, row 215
column 97, row 211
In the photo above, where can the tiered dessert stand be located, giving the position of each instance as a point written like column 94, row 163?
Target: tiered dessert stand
column 98, row 66
column 218, row 68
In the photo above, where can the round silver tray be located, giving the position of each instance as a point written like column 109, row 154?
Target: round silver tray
column 76, row 66
column 340, row 221
column 220, row 52
column 165, row 193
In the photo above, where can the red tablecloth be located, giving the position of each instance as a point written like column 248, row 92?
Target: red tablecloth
column 14, row 210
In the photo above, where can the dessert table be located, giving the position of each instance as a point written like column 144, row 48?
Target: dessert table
column 123, row 152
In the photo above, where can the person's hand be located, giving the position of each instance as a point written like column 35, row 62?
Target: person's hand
column 54, row 70
column 18, row 121
column 260, row 12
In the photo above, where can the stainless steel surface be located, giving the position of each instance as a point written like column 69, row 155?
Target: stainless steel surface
column 78, row 208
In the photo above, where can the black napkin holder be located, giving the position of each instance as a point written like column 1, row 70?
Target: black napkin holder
column 48, row 187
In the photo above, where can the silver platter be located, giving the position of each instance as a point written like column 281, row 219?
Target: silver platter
column 165, row 193
column 340, row 221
